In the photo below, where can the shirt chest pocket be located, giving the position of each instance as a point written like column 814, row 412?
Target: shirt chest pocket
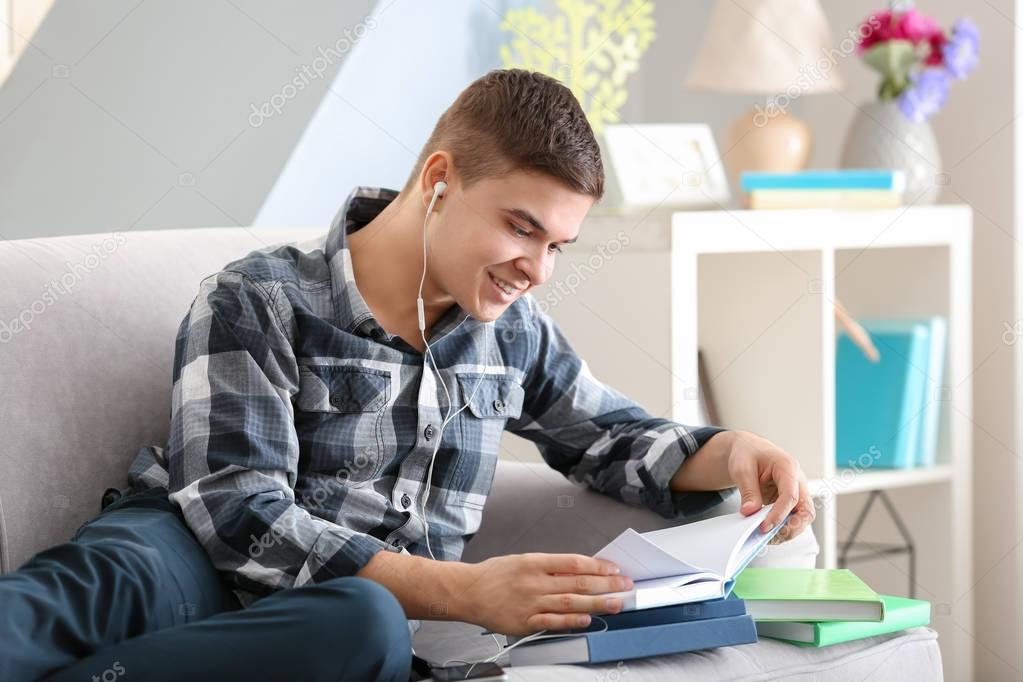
column 490, row 403
column 491, row 397
column 339, row 413
column 342, row 388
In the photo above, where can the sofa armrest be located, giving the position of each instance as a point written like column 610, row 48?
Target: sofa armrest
column 533, row 508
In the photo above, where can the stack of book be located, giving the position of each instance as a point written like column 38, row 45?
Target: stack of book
column 680, row 598
column 820, row 607
column 709, row 599
column 888, row 413
column 649, row 632
column 839, row 188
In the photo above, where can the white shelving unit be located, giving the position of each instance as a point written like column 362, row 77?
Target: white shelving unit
column 642, row 291
column 755, row 290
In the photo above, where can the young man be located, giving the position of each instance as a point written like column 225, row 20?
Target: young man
column 326, row 466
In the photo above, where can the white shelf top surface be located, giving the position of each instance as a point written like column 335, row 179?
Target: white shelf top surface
column 815, row 229
column 848, row 481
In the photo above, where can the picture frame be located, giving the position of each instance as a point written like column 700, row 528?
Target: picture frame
column 671, row 165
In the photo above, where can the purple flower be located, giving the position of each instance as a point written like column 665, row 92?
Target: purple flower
column 926, row 95
column 966, row 27
column 961, row 50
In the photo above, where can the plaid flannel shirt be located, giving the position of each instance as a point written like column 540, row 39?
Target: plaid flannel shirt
column 301, row 431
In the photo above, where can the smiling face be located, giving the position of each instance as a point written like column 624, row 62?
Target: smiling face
column 500, row 238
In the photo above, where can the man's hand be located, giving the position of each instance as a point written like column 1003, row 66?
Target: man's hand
column 520, row 594
column 762, row 472
column 515, row 595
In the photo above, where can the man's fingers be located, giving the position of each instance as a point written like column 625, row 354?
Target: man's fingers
column 806, row 505
column 804, row 515
column 590, row 584
column 574, row 564
column 805, row 511
column 788, row 498
column 557, row 621
column 579, row 603
column 749, row 490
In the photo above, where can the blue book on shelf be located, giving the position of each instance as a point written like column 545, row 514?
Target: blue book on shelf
column 637, row 642
column 849, row 178
column 930, row 422
column 878, row 406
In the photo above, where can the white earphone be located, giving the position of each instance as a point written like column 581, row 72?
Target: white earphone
column 438, row 191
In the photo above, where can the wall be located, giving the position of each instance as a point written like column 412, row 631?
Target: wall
column 976, row 135
column 383, row 104
column 124, row 114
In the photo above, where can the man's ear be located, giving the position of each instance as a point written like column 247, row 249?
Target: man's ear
column 438, row 168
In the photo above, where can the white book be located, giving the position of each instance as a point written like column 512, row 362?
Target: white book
column 687, row 563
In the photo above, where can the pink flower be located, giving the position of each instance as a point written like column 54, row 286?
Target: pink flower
column 877, row 28
column 935, row 56
column 910, row 25
column 914, row 27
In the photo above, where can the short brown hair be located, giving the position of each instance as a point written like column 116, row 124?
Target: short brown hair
column 517, row 120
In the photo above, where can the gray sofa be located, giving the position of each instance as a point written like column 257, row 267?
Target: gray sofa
column 87, row 326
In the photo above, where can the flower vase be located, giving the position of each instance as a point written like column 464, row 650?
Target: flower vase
column 882, row 137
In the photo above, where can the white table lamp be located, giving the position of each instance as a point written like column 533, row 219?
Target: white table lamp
column 780, row 49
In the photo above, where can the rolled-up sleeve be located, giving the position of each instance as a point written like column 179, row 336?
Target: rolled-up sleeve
column 233, row 449
column 593, row 434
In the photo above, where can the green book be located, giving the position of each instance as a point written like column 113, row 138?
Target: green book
column 900, row 613
column 807, row 594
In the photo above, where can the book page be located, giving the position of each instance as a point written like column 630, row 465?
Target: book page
column 641, row 559
column 709, row 545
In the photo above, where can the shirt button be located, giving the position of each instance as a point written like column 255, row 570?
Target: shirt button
column 405, row 501
column 337, row 400
column 428, row 431
column 499, row 405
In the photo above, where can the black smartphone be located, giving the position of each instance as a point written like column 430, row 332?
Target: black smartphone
column 481, row 672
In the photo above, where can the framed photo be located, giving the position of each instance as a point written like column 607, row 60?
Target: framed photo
column 663, row 164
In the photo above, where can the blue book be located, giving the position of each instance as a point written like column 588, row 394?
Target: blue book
column 676, row 613
column 637, row 642
column 851, row 178
column 930, row 426
column 879, row 405
column 713, row 608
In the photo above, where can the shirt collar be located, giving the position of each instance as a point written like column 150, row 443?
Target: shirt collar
column 363, row 205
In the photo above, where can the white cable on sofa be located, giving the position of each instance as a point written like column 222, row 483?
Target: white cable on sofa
column 525, row 640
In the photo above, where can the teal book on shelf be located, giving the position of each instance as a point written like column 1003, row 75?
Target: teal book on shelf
column 817, row 179
column 879, row 406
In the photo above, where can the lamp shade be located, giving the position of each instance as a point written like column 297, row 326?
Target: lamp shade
column 766, row 46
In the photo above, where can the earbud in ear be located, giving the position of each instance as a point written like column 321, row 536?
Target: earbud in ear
column 439, row 187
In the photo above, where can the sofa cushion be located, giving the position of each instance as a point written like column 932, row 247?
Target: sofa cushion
column 908, row 655
column 87, row 329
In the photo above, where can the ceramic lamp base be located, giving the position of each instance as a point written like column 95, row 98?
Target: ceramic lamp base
column 756, row 142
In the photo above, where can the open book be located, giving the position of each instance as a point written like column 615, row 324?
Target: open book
column 687, row 563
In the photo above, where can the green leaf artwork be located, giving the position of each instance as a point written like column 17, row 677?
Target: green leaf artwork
column 589, row 45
